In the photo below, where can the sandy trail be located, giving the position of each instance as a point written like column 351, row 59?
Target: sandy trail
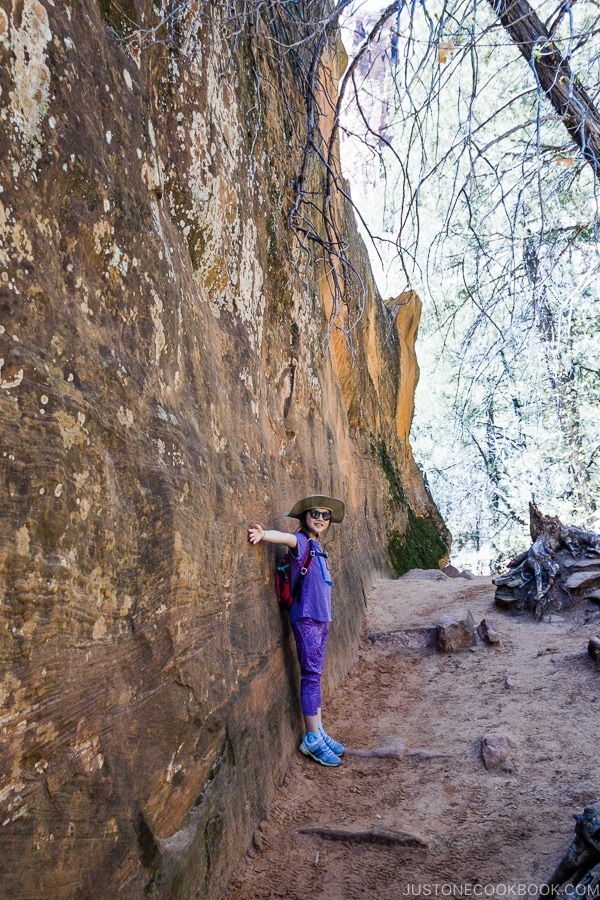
column 478, row 832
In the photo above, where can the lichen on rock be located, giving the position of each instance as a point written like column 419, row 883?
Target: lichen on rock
column 30, row 93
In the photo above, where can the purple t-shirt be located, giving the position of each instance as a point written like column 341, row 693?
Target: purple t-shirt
column 315, row 600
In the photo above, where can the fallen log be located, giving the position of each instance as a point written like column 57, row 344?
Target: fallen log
column 389, row 836
column 561, row 567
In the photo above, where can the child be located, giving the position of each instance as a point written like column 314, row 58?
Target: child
column 310, row 614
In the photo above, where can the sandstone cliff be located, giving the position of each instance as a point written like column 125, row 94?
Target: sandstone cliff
column 164, row 381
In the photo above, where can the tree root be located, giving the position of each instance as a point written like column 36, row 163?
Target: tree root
column 378, row 752
column 561, row 566
column 385, row 836
column 580, row 866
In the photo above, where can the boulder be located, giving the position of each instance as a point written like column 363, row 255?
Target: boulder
column 426, row 575
column 456, row 631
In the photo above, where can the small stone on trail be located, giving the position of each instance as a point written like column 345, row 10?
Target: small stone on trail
column 451, row 571
column 487, row 632
column 456, row 630
column 594, row 648
column 496, row 750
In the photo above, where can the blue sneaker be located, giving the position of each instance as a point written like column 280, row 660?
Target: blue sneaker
column 315, row 747
column 334, row 745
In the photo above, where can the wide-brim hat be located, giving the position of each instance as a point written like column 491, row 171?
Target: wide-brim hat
column 316, row 501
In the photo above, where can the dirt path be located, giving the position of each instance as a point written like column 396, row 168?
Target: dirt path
column 472, row 831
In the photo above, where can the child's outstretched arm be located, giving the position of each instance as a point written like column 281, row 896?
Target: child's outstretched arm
column 257, row 533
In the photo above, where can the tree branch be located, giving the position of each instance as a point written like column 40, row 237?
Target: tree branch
column 553, row 73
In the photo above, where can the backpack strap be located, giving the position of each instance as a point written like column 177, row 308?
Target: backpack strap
column 306, row 564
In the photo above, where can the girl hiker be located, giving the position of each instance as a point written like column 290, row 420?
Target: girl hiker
column 310, row 613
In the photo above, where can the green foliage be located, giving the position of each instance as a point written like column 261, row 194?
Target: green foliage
column 421, row 547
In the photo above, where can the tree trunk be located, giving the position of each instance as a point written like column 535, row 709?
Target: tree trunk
column 561, row 375
column 554, row 75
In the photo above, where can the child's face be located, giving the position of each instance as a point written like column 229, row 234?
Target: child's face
column 316, row 522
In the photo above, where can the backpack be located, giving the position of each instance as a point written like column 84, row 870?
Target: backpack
column 283, row 581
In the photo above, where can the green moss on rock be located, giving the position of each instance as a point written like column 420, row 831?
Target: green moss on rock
column 421, row 547
column 391, row 473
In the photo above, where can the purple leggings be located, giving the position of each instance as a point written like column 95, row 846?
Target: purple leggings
column 311, row 643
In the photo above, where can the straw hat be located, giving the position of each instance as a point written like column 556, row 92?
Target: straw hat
column 317, row 501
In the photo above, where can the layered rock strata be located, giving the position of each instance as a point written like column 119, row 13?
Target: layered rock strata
column 164, row 382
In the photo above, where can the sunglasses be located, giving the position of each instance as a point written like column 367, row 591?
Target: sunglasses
column 317, row 514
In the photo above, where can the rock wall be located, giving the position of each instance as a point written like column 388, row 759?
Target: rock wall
column 164, row 382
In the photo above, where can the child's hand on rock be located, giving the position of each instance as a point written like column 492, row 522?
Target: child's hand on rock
column 256, row 534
